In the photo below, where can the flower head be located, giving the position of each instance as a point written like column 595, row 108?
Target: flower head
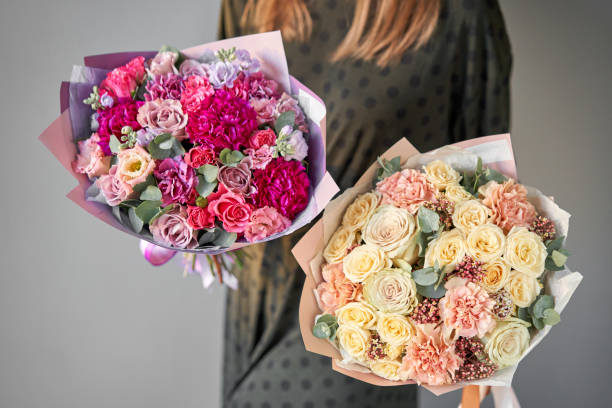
column 509, row 205
column 406, row 189
column 168, row 86
column 172, row 228
column 176, row 180
column 91, row 159
column 231, row 209
column 264, row 222
column 197, row 89
column 336, row 290
column 113, row 119
column 122, row 81
column 163, row 116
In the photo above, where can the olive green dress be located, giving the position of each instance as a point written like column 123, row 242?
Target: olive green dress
column 454, row 88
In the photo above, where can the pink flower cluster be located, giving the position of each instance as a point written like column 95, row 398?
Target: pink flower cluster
column 196, row 146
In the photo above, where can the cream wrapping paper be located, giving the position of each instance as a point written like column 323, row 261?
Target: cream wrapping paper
column 496, row 152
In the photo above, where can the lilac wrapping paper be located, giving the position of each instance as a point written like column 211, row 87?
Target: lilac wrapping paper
column 74, row 124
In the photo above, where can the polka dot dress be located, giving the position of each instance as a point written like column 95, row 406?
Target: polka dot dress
column 454, row 88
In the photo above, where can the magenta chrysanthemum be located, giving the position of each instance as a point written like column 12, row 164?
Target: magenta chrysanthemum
column 222, row 121
column 112, row 120
column 168, row 86
column 283, row 185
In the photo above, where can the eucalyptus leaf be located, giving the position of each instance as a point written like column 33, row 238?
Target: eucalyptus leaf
column 558, row 258
column 209, row 235
column 523, row 314
column 155, row 149
column 147, row 210
column 327, row 319
column 554, row 244
column 135, row 222
column 167, row 144
column 421, row 240
column 94, row 193
column 225, row 239
column 284, row 119
column 551, row 317
column 537, row 323
column 140, row 187
column 425, row 276
column 204, row 188
column 430, row 291
column 494, row 175
column 114, row 144
column 541, row 303
column 162, row 212
column 209, row 171
column 321, row 331
column 130, row 203
column 117, row 213
column 151, row 193
column 429, row 221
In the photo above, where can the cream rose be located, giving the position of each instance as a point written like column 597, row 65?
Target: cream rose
column 386, row 369
column 354, row 340
column 338, row 245
column 357, row 314
column 508, row 341
column 525, row 251
column 486, row 242
column 447, row 250
column 359, row 212
column 364, row 261
column 393, row 230
column 394, row 352
column 457, row 194
column 394, row 329
column 391, row 291
column 523, row 288
column 496, row 274
column 441, row 174
column 470, row 214
column 134, row 165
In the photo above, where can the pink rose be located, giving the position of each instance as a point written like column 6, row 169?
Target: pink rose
column 163, row 116
column 163, row 63
column 466, row 309
column 260, row 157
column 198, row 156
column 231, row 208
column 429, row 359
column 91, row 159
column 262, row 137
column 114, row 190
column 509, row 204
column 199, row 218
column 237, row 178
column 406, row 189
column 336, row 290
column 173, row 229
column 264, row 222
column 197, row 89
column 265, row 109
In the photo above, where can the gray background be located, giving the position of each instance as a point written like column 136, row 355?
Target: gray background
column 86, row 322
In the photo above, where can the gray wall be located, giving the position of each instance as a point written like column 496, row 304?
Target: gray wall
column 79, row 330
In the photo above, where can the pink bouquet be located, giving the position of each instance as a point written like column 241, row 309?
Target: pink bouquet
column 436, row 269
column 200, row 151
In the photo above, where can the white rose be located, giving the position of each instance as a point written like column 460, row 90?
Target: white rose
column 363, row 261
column 392, row 229
column 457, row 194
column 486, row 242
column 496, row 274
column 338, row 245
column 441, row 174
column 386, row 369
column 395, row 329
column 470, row 214
column 354, row 340
column 359, row 212
column 508, row 341
column 357, row 314
column 525, row 251
column 447, row 250
column 523, row 288
column 391, row 291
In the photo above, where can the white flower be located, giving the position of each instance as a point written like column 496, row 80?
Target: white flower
column 441, row 174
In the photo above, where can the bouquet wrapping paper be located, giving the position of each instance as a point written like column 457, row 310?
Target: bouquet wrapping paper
column 495, row 152
column 72, row 125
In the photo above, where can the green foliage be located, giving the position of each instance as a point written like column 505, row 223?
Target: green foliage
column 135, row 222
column 425, row 277
column 151, row 193
column 150, row 181
column 325, row 327
column 284, row 119
column 541, row 312
column 204, row 188
column 387, row 168
column 557, row 256
column 428, row 220
column 209, row 171
column 230, row 157
column 164, row 146
column 429, row 281
column 147, row 210
column 472, row 182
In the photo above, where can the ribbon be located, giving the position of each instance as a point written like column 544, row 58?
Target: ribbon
column 503, row 397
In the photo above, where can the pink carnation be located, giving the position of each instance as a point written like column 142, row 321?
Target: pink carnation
column 430, row 359
column 231, row 209
column 265, row 109
column 264, row 222
column 258, row 86
column 283, row 185
column 125, row 79
column 260, row 157
column 197, row 89
column 238, row 88
column 222, row 121
column 508, row 202
column 112, row 120
column 173, row 229
column 114, row 189
column 91, row 159
column 177, row 181
column 336, row 290
column 198, row 156
column 406, row 189
column 168, row 86
column 466, row 308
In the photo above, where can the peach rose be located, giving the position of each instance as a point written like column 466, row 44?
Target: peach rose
column 508, row 203
column 336, row 291
column 91, row 159
column 134, row 165
column 406, row 189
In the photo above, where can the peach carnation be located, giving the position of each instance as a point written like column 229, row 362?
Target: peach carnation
column 508, row 202
column 336, row 290
column 429, row 359
column 406, row 189
column 466, row 308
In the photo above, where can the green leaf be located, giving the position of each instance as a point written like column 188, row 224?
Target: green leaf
column 327, row 319
column 430, row 291
column 551, row 317
column 147, row 210
column 493, row 175
column 139, row 188
column 523, row 314
column 204, row 188
column 201, row 202
column 209, row 235
column 130, row 203
column 230, row 157
column 158, row 152
column 151, row 193
column 555, row 244
column 135, row 222
column 209, row 172
column 429, row 221
column 321, row 331
column 167, row 144
column 479, row 166
column 161, row 212
column 225, row 239
column 541, row 303
column 422, row 242
column 558, row 258
column 537, row 323
column 284, row 119
column 114, row 144
column 425, row 276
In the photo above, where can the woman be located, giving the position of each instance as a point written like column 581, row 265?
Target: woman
column 432, row 71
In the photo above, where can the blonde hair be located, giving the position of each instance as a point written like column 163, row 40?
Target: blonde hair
column 381, row 30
